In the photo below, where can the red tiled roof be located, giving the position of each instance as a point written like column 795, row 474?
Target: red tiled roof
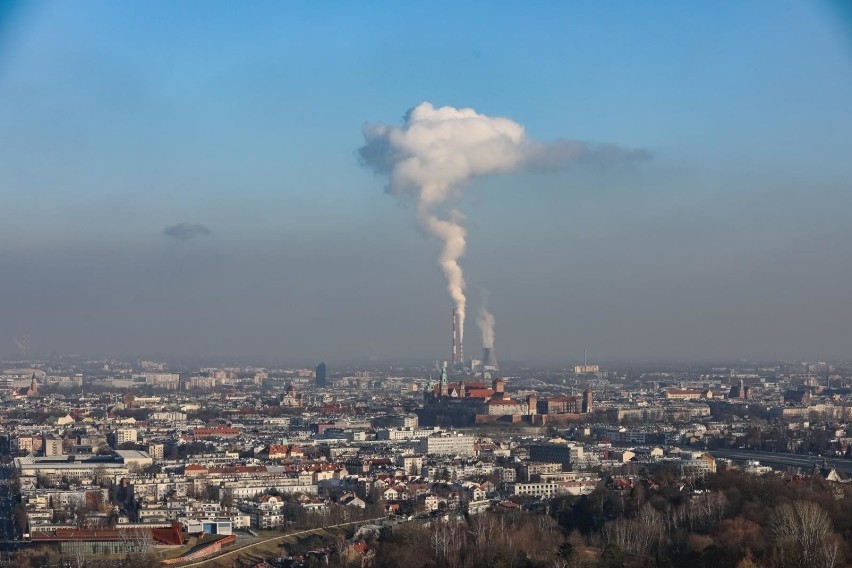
column 171, row 535
column 215, row 432
column 238, row 469
column 479, row 393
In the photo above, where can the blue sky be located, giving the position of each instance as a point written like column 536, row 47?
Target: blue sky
column 118, row 119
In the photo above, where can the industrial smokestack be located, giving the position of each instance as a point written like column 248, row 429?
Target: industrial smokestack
column 457, row 355
column 488, row 359
column 453, row 331
column 460, row 340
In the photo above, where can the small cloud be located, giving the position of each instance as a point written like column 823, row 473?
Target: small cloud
column 187, row 231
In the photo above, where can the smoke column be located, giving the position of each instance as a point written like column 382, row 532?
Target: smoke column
column 453, row 235
column 485, row 321
column 437, row 150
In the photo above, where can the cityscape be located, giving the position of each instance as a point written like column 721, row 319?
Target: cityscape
column 136, row 457
column 425, row 285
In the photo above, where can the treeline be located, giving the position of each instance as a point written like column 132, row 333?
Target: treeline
column 488, row 539
column 728, row 519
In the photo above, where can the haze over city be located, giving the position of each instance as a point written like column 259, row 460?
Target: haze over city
column 188, row 179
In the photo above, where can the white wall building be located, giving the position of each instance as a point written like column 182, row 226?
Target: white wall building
column 449, row 445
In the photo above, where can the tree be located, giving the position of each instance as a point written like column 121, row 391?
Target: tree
column 612, row 557
column 227, row 499
column 138, row 540
column 152, row 469
column 36, row 557
column 211, row 492
column 740, row 537
column 44, row 481
column 100, row 476
column 80, row 560
column 804, row 534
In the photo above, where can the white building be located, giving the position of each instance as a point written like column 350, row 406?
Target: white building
column 452, row 445
column 405, row 433
column 168, row 416
column 125, row 435
column 169, row 381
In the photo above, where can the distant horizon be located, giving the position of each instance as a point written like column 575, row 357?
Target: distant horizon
column 414, row 362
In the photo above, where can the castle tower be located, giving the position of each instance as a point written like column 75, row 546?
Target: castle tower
column 532, row 404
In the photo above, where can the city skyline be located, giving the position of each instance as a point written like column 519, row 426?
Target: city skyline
column 184, row 180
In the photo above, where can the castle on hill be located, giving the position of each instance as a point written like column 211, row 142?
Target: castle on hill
column 463, row 403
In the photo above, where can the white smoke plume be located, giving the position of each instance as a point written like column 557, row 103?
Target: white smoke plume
column 485, row 321
column 437, row 150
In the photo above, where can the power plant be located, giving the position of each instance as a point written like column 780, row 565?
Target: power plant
column 457, row 361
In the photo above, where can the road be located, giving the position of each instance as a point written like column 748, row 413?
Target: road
column 806, row 463
column 273, row 539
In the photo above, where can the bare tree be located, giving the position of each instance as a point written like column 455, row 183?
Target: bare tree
column 100, row 476
column 80, row 560
column 640, row 535
column 805, row 536
column 138, row 540
column 483, row 530
column 227, row 498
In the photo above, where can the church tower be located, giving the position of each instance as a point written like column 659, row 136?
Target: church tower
column 445, row 385
column 33, row 387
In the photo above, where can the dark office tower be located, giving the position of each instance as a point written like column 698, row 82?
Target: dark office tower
column 587, row 401
column 321, row 375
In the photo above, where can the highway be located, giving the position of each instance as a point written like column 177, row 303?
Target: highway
column 806, row 463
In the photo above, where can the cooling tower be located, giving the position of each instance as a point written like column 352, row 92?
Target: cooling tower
column 488, row 359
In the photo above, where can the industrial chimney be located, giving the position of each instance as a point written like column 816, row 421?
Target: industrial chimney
column 453, row 354
column 457, row 359
column 488, row 359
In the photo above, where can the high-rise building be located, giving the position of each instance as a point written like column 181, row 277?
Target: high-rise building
column 321, row 375
column 587, row 401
